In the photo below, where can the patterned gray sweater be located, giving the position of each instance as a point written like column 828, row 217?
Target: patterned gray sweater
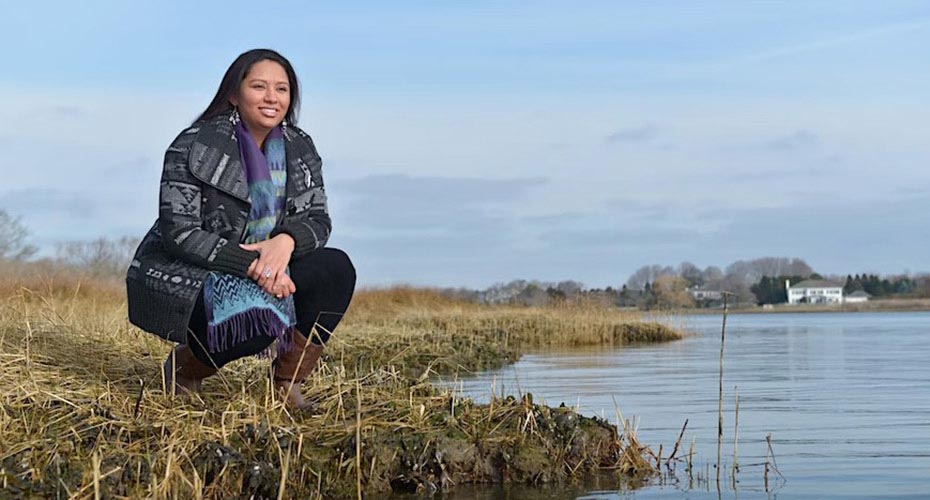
column 203, row 209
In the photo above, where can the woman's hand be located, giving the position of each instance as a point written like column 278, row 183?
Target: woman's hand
column 273, row 256
column 284, row 286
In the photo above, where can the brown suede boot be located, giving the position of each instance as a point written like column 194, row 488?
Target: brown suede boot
column 183, row 372
column 295, row 365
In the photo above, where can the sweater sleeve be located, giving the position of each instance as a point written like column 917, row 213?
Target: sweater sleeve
column 180, row 221
column 310, row 229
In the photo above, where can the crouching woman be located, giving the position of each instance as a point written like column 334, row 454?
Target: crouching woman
column 237, row 259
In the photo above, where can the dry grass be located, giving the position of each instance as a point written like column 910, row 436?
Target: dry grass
column 413, row 329
column 83, row 414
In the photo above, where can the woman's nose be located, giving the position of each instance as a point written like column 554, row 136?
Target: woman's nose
column 271, row 96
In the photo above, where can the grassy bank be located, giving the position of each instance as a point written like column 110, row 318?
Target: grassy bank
column 83, row 414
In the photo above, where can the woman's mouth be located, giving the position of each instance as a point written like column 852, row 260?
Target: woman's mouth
column 268, row 112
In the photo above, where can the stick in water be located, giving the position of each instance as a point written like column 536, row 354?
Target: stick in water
column 736, row 438
column 723, row 333
column 677, row 443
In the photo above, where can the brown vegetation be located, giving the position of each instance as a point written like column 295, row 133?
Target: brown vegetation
column 83, row 413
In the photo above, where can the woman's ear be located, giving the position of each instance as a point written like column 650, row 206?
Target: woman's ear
column 234, row 100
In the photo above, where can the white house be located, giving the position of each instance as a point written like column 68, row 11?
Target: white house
column 700, row 294
column 815, row 292
column 856, row 297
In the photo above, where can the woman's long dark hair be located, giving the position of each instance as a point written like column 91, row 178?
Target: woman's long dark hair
column 237, row 72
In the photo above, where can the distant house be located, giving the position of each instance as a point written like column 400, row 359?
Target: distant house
column 703, row 294
column 815, row 292
column 857, row 297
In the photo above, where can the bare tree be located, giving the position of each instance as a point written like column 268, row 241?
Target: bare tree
column 691, row 273
column 500, row 293
column 532, row 295
column 751, row 271
column 922, row 284
column 671, row 292
column 797, row 267
column 648, row 274
column 101, row 257
column 13, row 236
column 712, row 275
column 570, row 288
column 738, row 287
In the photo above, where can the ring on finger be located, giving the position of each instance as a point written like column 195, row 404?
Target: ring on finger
column 267, row 272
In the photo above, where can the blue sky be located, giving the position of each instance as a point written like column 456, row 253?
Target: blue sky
column 466, row 144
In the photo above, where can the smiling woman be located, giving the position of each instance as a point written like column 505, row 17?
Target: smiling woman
column 263, row 98
column 237, row 257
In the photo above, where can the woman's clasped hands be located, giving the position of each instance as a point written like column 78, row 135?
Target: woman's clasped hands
column 268, row 270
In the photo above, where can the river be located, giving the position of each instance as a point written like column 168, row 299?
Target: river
column 844, row 396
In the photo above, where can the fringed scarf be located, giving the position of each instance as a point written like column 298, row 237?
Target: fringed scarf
column 237, row 309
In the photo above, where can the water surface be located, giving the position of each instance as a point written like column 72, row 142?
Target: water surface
column 845, row 397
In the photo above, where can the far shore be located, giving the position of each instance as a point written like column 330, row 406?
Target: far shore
column 881, row 305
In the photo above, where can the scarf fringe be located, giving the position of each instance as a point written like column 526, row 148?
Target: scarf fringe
column 247, row 325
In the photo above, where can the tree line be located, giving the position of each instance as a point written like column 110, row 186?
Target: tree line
column 667, row 287
column 656, row 286
column 757, row 281
column 901, row 285
column 104, row 258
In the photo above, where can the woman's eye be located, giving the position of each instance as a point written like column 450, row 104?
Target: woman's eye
column 282, row 89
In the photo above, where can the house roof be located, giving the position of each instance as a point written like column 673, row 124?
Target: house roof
column 859, row 293
column 817, row 284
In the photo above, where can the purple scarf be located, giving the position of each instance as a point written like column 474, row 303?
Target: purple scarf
column 237, row 308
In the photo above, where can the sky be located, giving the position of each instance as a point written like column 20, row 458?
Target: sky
column 466, row 144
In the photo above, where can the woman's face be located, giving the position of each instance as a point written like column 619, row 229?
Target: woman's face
column 264, row 97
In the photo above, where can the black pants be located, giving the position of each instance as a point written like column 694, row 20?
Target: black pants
column 325, row 281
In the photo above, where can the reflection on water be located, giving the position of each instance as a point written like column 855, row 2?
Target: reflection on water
column 845, row 396
column 522, row 491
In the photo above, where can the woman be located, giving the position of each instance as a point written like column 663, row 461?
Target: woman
column 236, row 259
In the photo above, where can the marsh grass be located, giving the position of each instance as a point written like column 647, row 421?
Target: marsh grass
column 418, row 328
column 83, row 413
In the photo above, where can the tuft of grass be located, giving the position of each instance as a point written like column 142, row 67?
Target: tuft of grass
column 416, row 329
column 83, row 414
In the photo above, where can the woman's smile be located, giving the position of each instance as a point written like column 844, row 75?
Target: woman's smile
column 269, row 112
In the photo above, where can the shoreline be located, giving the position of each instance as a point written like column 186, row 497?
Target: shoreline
column 887, row 305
